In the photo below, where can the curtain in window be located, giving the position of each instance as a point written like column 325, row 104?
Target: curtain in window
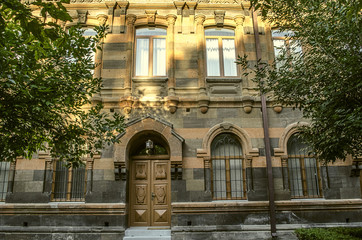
column 212, row 57
column 78, row 183
column 228, row 47
column 159, row 57
column 60, row 181
column 227, row 170
column 142, row 54
column 4, row 179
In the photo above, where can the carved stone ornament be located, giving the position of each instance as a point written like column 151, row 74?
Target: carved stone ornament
column 219, row 17
column 248, row 102
column 204, row 104
column 82, row 16
column 102, row 18
column 151, row 17
column 278, row 108
column 239, row 20
column 172, row 103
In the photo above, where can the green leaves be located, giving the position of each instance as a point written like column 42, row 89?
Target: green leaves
column 46, row 84
column 325, row 78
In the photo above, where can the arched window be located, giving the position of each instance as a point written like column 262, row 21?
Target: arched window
column 304, row 179
column 228, row 172
column 150, row 52
column 220, row 52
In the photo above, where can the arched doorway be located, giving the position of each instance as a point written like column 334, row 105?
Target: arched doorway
column 149, row 181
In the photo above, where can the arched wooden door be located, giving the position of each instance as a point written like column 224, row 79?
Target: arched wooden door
column 150, row 191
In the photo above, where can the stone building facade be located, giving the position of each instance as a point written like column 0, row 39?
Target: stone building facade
column 192, row 155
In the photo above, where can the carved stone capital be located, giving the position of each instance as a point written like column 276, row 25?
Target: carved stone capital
column 200, row 19
column 171, row 19
column 102, row 18
column 239, row 20
column 131, row 19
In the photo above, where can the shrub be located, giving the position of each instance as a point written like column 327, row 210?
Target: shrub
column 329, row 233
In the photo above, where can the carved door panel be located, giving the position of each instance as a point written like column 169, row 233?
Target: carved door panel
column 150, row 193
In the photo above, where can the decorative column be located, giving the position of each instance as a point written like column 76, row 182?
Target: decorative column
column 172, row 100
column 98, row 58
column 130, row 20
column 203, row 99
column 207, row 169
column 171, row 19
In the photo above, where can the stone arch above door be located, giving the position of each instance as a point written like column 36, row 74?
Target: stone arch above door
column 151, row 124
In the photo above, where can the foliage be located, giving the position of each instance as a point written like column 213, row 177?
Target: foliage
column 329, row 233
column 325, row 78
column 46, row 84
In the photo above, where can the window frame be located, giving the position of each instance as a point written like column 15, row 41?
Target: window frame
column 221, row 53
column 69, row 184
column 287, row 43
column 150, row 51
column 5, row 178
column 228, row 175
column 303, row 174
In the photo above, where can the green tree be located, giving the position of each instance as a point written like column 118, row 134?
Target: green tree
column 46, row 85
column 324, row 79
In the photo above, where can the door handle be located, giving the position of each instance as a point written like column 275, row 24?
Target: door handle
column 153, row 196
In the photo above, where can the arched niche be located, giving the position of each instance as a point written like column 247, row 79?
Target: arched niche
column 281, row 151
column 225, row 127
column 140, row 130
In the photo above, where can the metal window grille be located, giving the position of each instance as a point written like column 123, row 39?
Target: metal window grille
column 68, row 184
column 4, row 179
column 228, row 168
column 303, row 170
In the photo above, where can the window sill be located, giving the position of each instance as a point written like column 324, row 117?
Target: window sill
column 236, row 79
column 148, row 79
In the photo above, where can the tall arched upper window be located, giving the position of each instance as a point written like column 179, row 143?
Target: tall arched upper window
column 220, row 52
column 150, row 52
column 304, row 179
column 228, row 172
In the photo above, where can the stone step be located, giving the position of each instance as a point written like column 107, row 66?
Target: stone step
column 147, row 233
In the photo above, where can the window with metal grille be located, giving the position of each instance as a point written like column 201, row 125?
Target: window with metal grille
column 303, row 170
column 220, row 52
column 69, row 184
column 4, row 179
column 228, row 171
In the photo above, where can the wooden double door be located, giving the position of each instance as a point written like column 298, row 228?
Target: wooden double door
column 150, row 203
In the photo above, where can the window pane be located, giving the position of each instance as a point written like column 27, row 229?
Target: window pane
column 279, row 48
column 159, row 57
column 312, row 176
column 61, row 181
column 4, row 179
column 151, row 32
column 212, row 56
column 228, row 46
column 236, row 178
column 295, row 177
column 142, row 54
column 89, row 32
column 78, row 183
column 219, row 32
column 219, row 179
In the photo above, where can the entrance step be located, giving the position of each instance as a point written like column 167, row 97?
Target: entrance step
column 147, row 233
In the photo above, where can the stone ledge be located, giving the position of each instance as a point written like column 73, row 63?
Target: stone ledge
column 66, row 229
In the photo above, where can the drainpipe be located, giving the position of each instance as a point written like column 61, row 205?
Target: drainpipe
column 273, row 229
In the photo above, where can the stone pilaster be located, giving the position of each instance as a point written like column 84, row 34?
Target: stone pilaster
column 130, row 20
